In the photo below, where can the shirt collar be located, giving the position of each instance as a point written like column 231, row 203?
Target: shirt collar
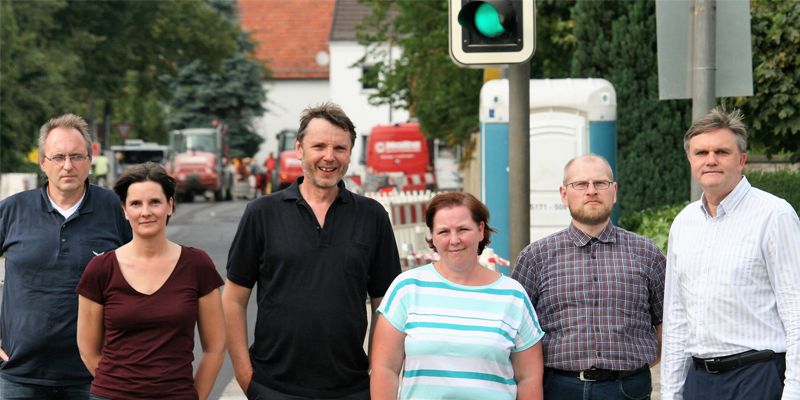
column 85, row 204
column 293, row 192
column 580, row 238
column 732, row 200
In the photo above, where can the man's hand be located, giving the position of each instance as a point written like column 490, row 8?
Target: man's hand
column 3, row 355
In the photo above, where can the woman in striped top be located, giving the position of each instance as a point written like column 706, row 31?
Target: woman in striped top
column 455, row 328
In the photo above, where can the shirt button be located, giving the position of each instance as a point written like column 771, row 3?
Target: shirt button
column 63, row 240
column 595, row 278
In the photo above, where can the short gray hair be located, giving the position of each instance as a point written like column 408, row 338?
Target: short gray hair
column 718, row 118
column 65, row 121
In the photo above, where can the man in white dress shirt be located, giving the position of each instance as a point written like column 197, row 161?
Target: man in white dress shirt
column 732, row 300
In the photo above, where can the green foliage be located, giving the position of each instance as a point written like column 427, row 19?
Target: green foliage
column 442, row 96
column 234, row 95
column 34, row 70
column 617, row 41
column 653, row 223
column 773, row 112
column 784, row 184
column 79, row 56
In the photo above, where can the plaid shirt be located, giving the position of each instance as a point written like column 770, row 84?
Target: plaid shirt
column 597, row 298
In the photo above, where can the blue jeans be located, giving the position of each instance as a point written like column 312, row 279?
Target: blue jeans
column 634, row 387
column 10, row 390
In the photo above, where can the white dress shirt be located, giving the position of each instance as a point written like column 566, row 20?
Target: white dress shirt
column 732, row 285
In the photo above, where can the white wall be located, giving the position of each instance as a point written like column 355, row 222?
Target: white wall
column 345, row 87
column 286, row 99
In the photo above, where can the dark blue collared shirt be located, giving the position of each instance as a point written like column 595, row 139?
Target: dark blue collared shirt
column 45, row 257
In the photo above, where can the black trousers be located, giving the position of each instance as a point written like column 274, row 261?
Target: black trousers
column 761, row 381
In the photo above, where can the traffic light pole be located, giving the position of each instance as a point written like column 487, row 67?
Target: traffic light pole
column 519, row 159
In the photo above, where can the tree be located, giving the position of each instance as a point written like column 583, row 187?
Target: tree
column 617, row 41
column 773, row 112
column 33, row 86
column 70, row 55
column 234, row 94
column 442, row 96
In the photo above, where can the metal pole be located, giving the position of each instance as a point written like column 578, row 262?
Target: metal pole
column 704, row 66
column 519, row 159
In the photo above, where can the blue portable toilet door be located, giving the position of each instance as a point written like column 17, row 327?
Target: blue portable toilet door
column 557, row 136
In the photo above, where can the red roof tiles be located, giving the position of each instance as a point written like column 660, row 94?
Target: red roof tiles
column 289, row 35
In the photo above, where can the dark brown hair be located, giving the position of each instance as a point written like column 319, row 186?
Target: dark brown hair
column 148, row 171
column 478, row 211
column 330, row 112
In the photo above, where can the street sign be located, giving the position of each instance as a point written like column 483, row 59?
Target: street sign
column 123, row 129
column 734, row 60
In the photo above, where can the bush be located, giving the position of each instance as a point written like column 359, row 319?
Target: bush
column 653, row 223
column 784, row 184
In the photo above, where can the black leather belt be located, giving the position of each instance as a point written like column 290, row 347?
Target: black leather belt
column 597, row 375
column 729, row 363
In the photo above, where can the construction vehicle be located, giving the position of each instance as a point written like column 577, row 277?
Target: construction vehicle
column 398, row 159
column 198, row 159
column 289, row 167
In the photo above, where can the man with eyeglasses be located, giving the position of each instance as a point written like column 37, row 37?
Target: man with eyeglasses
column 598, row 290
column 732, row 300
column 47, row 236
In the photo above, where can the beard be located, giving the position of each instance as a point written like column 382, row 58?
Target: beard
column 590, row 216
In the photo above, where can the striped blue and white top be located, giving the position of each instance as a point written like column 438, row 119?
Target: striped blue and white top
column 459, row 339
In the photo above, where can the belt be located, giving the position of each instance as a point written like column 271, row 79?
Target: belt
column 597, row 375
column 729, row 363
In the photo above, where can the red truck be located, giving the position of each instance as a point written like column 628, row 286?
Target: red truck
column 397, row 157
column 288, row 167
column 197, row 158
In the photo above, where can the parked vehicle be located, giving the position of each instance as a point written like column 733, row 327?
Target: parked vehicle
column 137, row 151
column 398, row 157
column 289, row 167
column 197, row 161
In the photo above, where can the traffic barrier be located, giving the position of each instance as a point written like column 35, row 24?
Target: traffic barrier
column 406, row 211
column 16, row 182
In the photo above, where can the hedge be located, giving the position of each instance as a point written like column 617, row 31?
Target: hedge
column 655, row 222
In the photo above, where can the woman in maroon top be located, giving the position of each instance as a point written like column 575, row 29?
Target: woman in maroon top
column 139, row 304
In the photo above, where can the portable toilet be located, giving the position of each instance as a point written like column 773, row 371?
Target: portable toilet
column 568, row 118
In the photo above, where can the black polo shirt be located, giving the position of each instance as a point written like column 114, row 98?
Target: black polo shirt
column 311, row 287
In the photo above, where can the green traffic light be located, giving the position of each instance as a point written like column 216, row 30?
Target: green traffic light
column 487, row 21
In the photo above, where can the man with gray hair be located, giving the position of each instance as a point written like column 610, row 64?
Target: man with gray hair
column 598, row 291
column 732, row 301
column 47, row 236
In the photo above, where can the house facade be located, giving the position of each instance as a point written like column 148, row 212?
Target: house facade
column 310, row 46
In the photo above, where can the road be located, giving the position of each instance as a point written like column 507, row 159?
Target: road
column 211, row 226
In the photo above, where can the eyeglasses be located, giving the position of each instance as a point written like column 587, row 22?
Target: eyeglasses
column 583, row 185
column 60, row 159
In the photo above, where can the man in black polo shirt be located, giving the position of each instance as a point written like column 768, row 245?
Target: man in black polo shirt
column 315, row 251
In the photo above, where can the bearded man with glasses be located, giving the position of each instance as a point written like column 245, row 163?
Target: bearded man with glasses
column 598, row 291
column 47, row 236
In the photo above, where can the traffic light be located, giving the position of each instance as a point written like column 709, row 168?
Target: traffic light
column 488, row 32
